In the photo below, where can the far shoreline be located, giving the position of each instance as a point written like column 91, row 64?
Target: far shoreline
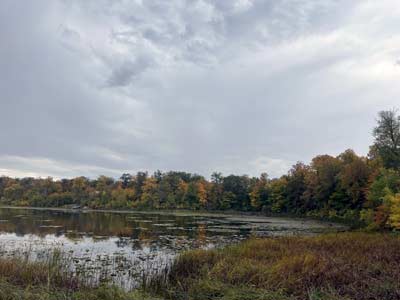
column 186, row 212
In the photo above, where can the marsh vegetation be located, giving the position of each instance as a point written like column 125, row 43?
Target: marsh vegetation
column 340, row 266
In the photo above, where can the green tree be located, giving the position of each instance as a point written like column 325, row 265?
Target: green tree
column 216, row 191
column 387, row 138
column 296, row 187
column 278, row 195
column 239, row 187
column 126, row 180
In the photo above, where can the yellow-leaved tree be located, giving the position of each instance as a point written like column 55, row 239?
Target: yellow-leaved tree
column 394, row 217
column 202, row 193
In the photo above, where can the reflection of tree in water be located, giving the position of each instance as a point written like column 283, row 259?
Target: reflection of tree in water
column 135, row 231
column 132, row 230
column 201, row 235
column 145, row 237
column 75, row 224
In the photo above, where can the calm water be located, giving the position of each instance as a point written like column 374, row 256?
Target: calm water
column 121, row 246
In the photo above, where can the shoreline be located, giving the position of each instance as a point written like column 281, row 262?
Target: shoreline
column 185, row 212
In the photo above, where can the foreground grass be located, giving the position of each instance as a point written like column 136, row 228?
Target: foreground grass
column 341, row 266
column 332, row 267
column 50, row 280
column 12, row 292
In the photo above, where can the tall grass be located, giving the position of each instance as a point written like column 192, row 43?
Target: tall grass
column 334, row 266
column 51, row 273
column 53, row 279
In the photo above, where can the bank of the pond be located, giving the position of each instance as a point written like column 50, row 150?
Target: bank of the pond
column 345, row 266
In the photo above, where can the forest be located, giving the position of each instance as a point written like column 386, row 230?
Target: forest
column 347, row 187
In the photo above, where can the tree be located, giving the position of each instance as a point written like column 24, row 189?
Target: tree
column 104, row 183
column 296, row 187
column 126, row 179
column 278, row 195
column 191, row 196
column 386, row 181
column 181, row 194
column 259, row 193
column 79, row 189
column 216, row 191
column 353, row 179
column 387, row 138
column 239, row 187
column 121, row 198
column 14, row 192
column 321, row 182
column 202, row 193
column 150, row 195
column 394, row 218
column 138, row 183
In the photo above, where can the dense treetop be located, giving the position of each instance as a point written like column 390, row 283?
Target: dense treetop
column 347, row 186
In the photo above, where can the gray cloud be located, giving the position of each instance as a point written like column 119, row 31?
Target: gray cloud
column 124, row 73
column 245, row 86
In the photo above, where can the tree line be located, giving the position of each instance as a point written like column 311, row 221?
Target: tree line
column 348, row 187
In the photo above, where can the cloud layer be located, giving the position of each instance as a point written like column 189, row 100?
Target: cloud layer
column 246, row 86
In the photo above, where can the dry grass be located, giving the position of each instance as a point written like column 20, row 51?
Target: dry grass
column 335, row 266
column 21, row 279
column 12, row 292
column 52, row 273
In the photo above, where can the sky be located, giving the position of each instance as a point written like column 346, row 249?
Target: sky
column 236, row 86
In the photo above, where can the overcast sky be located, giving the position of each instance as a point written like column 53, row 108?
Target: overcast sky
column 237, row 86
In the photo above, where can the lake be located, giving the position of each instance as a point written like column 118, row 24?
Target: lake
column 121, row 246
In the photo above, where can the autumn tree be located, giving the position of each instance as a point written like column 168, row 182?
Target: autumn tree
column 80, row 189
column 13, row 192
column 149, row 197
column 321, row 182
column 202, row 196
column 394, row 215
column 259, row 193
column 353, row 179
